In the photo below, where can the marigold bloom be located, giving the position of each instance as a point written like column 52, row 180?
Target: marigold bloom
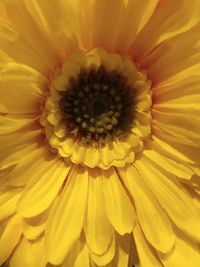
column 99, row 133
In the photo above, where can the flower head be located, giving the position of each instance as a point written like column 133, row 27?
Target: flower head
column 99, row 133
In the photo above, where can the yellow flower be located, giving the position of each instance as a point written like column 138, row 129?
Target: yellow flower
column 99, row 133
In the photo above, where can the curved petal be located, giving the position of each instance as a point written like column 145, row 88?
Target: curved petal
column 184, row 254
column 169, row 19
column 173, row 56
column 10, row 232
column 66, row 218
column 150, row 213
column 16, row 144
column 136, row 15
column 8, row 202
column 27, row 19
column 34, row 228
column 61, row 20
column 146, row 254
column 78, row 256
column 29, row 254
column 106, row 36
column 21, row 89
column 106, row 258
column 43, row 188
column 18, row 48
column 171, row 196
column 98, row 229
column 117, row 202
column 28, row 164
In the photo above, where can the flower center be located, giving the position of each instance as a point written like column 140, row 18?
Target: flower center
column 98, row 106
column 97, row 112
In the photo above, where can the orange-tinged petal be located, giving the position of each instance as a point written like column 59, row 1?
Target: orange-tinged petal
column 23, row 16
column 136, row 15
column 173, row 56
column 18, row 48
column 9, row 124
column 4, row 59
column 169, row 19
column 87, row 18
column 106, row 36
column 65, row 31
column 66, row 218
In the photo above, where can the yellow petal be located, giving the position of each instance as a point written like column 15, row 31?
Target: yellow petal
column 168, row 149
column 33, row 228
column 184, row 254
column 172, row 166
column 106, row 258
column 142, row 126
column 42, row 188
column 28, row 164
column 185, row 127
column 66, row 218
column 150, row 213
column 97, row 228
column 29, row 254
column 117, row 202
column 78, row 256
column 171, row 196
column 10, row 232
column 14, row 81
column 8, row 202
column 146, row 254
column 169, row 19
column 188, row 151
column 16, row 144
column 173, row 56
column 122, row 256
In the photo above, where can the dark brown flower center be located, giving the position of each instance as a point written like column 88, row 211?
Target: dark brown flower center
column 98, row 106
